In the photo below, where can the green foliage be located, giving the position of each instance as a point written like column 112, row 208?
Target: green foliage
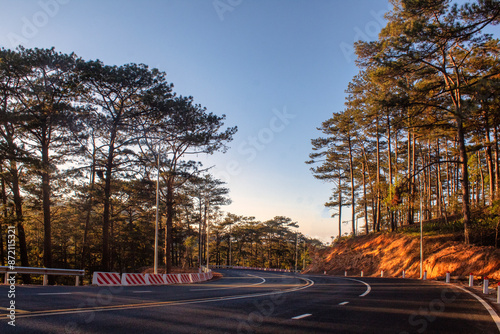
column 87, row 195
column 420, row 123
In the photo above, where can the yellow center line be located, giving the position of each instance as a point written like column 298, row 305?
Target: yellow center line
column 225, row 287
column 7, row 312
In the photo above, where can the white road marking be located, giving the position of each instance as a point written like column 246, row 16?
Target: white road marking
column 344, row 303
column 368, row 287
column 263, row 280
column 492, row 312
column 302, row 316
column 54, row 293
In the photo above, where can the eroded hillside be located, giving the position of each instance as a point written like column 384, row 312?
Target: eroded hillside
column 395, row 252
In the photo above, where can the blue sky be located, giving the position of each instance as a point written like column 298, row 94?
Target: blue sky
column 275, row 68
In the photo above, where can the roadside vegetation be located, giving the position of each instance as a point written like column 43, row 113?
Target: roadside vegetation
column 418, row 138
column 88, row 151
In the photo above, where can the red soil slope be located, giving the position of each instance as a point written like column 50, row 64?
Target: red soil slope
column 394, row 252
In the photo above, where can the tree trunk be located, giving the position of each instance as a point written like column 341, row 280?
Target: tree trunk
column 340, row 206
column 169, row 224
column 378, row 223
column 353, row 195
column 370, row 180
column 409, row 215
column 481, row 175
column 106, row 209
column 18, row 205
column 90, row 204
column 207, row 229
column 47, row 242
column 5, row 215
column 365, row 200
column 439, row 188
column 389, row 162
column 489, row 162
column 464, row 181
column 497, row 167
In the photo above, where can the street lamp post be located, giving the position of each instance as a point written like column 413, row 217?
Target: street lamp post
column 304, row 255
column 208, row 242
column 157, row 215
column 296, row 249
column 230, row 250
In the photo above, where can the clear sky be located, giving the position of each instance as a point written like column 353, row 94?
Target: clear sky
column 275, row 68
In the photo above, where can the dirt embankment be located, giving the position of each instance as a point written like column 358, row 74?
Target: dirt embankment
column 394, row 252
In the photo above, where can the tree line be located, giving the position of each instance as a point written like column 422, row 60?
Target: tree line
column 420, row 127
column 88, row 151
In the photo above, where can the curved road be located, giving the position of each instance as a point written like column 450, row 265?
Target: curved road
column 246, row 301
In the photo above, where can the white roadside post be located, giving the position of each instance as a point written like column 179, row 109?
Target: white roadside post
column 345, row 273
column 471, row 280
column 498, row 294
column 425, row 275
column 447, row 277
column 382, row 273
column 361, row 273
column 486, row 284
column 403, row 274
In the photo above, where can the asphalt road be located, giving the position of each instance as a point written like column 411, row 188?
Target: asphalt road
column 246, row 301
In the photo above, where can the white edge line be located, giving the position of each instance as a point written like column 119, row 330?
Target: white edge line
column 344, row 303
column 302, row 316
column 141, row 291
column 492, row 312
column 53, row 293
column 368, row 287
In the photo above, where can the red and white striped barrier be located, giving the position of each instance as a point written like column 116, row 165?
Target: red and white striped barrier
column 155, row 279
column 198, row 277
column 171, row 278
column 114, row 279
column 105, row 279
column 134, row 279
column 184, row 278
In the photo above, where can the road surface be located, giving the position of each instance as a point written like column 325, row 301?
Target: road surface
column 246, row 301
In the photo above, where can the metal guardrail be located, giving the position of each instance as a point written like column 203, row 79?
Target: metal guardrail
column 254, row 268
column 222, row 267
column 42, row 271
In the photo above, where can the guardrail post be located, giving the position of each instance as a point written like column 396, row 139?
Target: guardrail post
column 486, row 284
column 77, row 281
column 471, row 280
column 447, row 277
column 42, row 271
